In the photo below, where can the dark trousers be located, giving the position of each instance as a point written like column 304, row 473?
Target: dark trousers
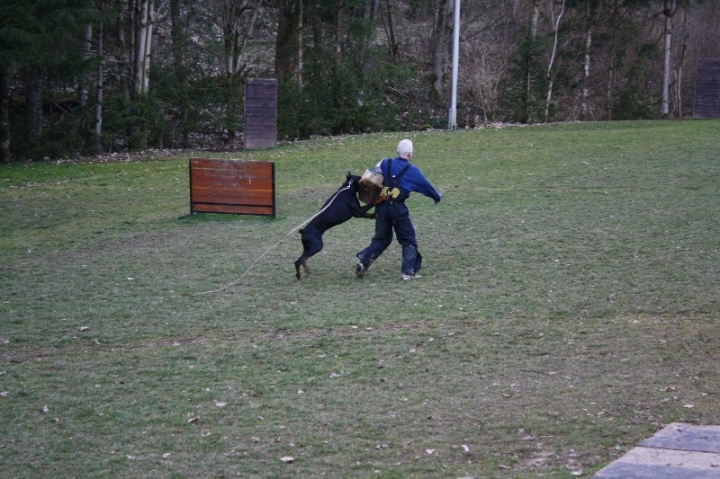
column 393, row 216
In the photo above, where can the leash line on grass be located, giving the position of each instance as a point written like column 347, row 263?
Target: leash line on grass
column 237, row 280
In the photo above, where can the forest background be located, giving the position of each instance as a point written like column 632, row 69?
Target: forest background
column 82, row 77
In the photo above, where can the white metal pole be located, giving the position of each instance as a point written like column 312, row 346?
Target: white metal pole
column 452, row 121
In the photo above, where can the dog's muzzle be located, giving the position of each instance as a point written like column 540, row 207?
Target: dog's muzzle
column 369, row 186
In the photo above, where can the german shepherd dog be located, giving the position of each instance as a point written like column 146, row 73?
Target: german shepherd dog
column 339, row 208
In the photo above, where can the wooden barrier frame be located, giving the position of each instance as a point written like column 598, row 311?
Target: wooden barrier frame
column 232, row 186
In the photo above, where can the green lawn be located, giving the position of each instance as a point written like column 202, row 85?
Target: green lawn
column 568, row 308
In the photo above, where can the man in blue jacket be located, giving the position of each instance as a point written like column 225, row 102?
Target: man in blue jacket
column 400, row 177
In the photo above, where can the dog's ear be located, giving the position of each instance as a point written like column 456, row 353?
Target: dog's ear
column 349, row 175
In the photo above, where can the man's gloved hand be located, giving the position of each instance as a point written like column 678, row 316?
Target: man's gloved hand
column 381, row 199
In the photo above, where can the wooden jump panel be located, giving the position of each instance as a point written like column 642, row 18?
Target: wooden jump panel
column 232, row 186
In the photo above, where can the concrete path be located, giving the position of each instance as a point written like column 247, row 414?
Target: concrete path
column 679, row 451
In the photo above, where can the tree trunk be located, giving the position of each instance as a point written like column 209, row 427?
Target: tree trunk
column 287, row 46
column 586, row 75
column 142, row 42
column 99, row 92
column 390, row 29
column 300, row 45
column 592, row 16
column 147, row 56
column 528, row 96
column 515, row 8
column 374, row 5
column 440, row 43
column 556, row 28
column 126, row 52
column 86, row 53
column 613, row 61
column 178, row 33
column 5, row 154
column 669, row 9
column 238, row 23
column 678, row 109
column 535, row 16
column 230, row 17
column 33, row 107
column 338, row 32
column 141, row 37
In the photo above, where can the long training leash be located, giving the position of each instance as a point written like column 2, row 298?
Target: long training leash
column 237, row 280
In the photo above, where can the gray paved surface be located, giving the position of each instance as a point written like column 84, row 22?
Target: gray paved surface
column 679, row 451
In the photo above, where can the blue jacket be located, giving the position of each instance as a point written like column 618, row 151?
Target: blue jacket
column 412, row 180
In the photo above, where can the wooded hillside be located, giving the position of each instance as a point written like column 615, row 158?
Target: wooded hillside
column 86, row 76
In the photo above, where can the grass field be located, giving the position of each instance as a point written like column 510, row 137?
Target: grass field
column 568, row 308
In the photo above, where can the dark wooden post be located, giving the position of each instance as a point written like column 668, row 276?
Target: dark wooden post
column 260, row 113
column 707, row 89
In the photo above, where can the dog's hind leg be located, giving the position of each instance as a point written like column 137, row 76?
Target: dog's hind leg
column 312, row 244
column 305, row 267
column 301, row 261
